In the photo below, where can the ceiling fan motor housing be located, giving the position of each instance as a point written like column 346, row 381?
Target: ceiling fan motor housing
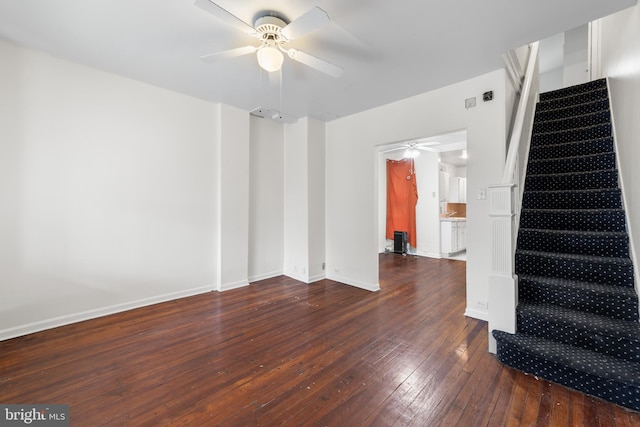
column 269, row 28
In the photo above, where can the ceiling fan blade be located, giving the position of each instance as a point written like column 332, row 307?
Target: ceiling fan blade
column 313, row 62
column 390, row 150
column 231, row 53
column 311, row 20
column 225, row 15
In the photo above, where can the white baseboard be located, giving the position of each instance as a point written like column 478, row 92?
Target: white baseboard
column 355, row 283
column 233, row 285
column 265, row 276
column 68, row 319
column 317, row 277
column 477, row 314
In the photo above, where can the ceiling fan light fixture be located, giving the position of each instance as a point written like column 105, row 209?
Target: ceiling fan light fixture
column 270, row 58
column 411, row 153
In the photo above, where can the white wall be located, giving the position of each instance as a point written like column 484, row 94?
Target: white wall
column 266, row 207
column 621, row 63
column 233, row 142
column 317, row 229
column 107, row 191
column 352, row 176
column 304, row 230
column 296, row 201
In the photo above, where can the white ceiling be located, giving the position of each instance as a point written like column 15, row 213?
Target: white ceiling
column 388, row 50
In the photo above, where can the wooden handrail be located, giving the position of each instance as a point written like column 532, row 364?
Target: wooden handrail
column 518, row 124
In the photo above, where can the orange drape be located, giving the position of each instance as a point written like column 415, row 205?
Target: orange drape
column 402, row 196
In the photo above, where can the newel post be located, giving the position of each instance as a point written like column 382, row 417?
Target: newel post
column 503, row 295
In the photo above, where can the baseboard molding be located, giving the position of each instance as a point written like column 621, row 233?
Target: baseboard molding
column 265, row 276
column 56, row 322
column 355, row 283
column 477, row 314
column 317, row 277
column 234, row 285
column 429, row 255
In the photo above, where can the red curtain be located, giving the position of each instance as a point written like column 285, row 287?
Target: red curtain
column 402, row 196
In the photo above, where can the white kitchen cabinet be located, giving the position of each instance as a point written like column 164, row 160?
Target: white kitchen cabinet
column 453, row 236
column 458, row 190
column 444, row 186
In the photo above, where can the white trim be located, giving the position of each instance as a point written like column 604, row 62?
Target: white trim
column 354, row 283
column 68, row 319
column 429, row 254
column 594, row 51
column 265, row 276
column 477, row 314
column 233, row 285
column 317, row 277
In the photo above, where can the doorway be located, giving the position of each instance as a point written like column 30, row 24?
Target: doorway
column 433, row 153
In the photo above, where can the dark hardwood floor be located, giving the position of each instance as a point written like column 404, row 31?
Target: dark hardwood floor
column 280, row 352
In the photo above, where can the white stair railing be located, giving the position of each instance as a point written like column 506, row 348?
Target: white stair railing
column 504, row 209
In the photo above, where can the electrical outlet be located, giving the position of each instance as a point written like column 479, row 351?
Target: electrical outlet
column 482, row 304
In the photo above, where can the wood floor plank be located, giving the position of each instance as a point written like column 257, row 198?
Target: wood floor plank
column 283, row 353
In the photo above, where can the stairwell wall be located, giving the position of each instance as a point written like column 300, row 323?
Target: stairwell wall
column 352, row 176
column 620, row 53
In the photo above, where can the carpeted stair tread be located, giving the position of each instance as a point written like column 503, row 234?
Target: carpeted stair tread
column 599, row 243
column 568, row 101
column 572, row 164
column 590, row 372
column 589, row 180
column 613, row 271
column 567, row 96
column 569, row 149
column 573, row 110
column 571, row 135
column 563, row 124
column 593, row 199
column 594, row 85
column 578, row 358
column 619, row 302
column 577, row 219
column 613, row 337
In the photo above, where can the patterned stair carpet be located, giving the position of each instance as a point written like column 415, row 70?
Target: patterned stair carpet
column 577, row 315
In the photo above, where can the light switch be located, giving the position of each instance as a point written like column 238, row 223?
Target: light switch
column 482, row 193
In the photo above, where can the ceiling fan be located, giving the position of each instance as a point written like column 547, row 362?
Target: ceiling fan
column 412, row 148
column 273, row 33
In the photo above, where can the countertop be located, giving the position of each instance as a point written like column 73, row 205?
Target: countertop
column 452, row 219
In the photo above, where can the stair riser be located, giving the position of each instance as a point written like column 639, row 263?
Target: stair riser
column 613, row 305
column 563, row 124
column 573, row 164
column 571, row 149
column 618, row 392
column 585, row 88
column 573, row 135
column 583, row 181
column 576, row 110
column 577, row 244
column 575, row 269
column 574, row 220
column 568, row 101
column 578, row 336
column 605, row 199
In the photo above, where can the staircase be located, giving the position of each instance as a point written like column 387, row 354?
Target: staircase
column 577, row 314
